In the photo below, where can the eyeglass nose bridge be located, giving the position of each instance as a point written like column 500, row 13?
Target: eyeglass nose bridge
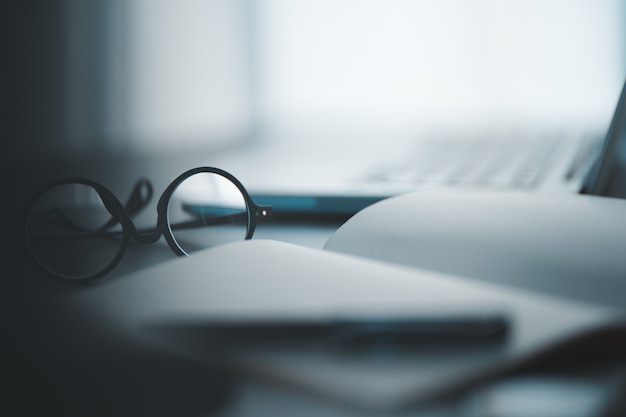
column 139, row 197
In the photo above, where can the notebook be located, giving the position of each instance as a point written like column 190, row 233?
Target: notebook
column 174, row 305
column 320, row 173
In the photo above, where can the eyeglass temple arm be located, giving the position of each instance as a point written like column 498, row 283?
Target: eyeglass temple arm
column 205, row 220
column 190, row 224
column 138, row 200
column 259, row 212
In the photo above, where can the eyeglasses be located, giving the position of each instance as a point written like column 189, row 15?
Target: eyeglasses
column 77, row 230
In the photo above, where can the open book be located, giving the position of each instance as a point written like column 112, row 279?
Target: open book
column 569, row 246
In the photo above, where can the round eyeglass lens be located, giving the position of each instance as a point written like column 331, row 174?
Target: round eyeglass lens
column 71, row 233
column 205, row 210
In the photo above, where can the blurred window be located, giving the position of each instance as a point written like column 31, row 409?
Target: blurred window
column 206, row 72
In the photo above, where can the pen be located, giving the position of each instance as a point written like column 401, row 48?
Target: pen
column 447, row 328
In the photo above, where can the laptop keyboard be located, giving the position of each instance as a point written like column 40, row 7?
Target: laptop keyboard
column 483, row 162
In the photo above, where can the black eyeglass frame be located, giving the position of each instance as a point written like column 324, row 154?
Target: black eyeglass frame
column 255, row 215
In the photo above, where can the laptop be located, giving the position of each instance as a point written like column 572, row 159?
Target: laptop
column 320, row 174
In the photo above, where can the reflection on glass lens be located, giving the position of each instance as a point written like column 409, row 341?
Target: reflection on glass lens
column 206, row 210
column 71, row 233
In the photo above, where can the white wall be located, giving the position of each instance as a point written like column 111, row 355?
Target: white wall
column 187, row 78
column 407, row 61
column 196, row 73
